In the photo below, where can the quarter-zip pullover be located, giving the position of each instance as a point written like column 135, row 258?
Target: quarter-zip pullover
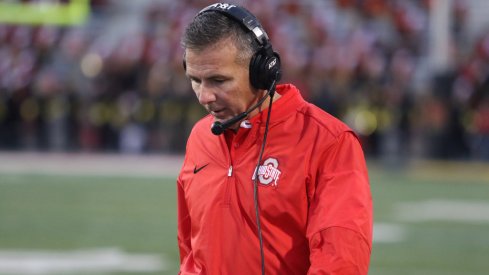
column 313, row 189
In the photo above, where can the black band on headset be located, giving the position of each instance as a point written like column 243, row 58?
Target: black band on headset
column 241, row 15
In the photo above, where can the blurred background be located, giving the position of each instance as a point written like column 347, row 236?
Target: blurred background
column 409, row 76
column 95, row 110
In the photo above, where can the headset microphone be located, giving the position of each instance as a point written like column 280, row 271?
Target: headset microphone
column 218, row 127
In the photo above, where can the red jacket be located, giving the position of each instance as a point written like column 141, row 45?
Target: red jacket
column 314, row 196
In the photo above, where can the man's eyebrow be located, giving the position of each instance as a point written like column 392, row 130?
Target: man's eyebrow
column 218, row 76
column 212, row 76
column 193, row 78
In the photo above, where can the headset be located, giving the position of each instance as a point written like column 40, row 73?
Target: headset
column 265, row 63
column 264, row 67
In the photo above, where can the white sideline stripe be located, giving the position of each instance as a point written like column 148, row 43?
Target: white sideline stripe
column 38, row 262
column 389, row 233
column 91, row 164
column 443, row 210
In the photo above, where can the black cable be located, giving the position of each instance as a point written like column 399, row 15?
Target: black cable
column 255, row 181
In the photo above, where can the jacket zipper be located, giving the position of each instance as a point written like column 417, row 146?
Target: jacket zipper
column 227, row 189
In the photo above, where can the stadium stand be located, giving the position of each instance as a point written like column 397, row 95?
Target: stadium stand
column 110, row 86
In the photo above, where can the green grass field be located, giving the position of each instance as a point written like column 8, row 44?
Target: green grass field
column 414, row 233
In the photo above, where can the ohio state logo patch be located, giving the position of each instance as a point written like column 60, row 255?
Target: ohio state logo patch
column 268, row 173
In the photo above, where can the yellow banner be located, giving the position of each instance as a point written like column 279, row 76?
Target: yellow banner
column 75, row 12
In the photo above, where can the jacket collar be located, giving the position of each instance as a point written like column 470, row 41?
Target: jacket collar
column 290, row 100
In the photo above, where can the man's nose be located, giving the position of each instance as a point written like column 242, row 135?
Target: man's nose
column 206, row 95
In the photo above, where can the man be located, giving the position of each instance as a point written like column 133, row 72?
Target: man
column 307, row 208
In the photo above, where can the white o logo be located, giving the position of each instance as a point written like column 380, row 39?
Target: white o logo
column 267, row 175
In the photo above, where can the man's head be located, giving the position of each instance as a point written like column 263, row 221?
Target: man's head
column 222, row 20
column 228, row 59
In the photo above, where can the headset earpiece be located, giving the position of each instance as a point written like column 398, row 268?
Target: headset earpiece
column 264, row 68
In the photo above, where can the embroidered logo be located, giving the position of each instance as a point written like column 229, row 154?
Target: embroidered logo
column 222, row 6
column 197, row 170
column 268, row 173
column 274, row 61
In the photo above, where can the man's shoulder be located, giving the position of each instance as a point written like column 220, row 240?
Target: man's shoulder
column 311, row 113
column 324, row 120
column 200, row 138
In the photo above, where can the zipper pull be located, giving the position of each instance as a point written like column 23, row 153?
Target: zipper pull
column 230, row 171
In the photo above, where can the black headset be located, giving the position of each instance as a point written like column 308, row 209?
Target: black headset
column 265, row 63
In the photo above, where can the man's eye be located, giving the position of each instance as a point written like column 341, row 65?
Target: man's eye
column 218, row 80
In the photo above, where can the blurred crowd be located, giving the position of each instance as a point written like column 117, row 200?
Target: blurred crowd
column 81, row 89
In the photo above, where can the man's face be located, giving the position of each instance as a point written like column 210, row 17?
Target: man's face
column 221, row 85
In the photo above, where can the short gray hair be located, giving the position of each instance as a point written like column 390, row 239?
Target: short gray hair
column 211, row 27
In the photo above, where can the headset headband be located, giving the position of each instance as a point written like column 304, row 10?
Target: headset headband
column 244, row 17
